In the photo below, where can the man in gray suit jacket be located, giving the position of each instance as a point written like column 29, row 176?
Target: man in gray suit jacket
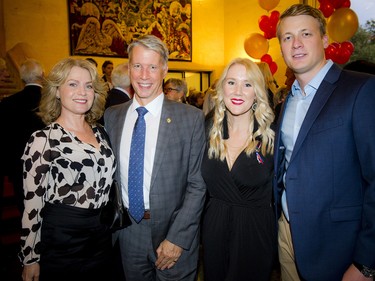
column 164, row 244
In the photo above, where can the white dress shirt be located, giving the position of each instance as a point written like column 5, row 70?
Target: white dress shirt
column 152, row 119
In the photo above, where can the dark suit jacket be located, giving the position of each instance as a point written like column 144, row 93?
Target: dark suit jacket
column 116, row 96
column 18, row 120
column 330, row 180
column 177, row 191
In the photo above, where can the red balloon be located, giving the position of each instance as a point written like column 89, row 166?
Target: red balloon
column 347, row 45
column 270, row 33
column 343, row 56
column 330, row 51
column 264, row 23
column 346, row 4
column 327, row 9
column 266, row 58
column 274, row 17
column 337, row 3
column 273, row 67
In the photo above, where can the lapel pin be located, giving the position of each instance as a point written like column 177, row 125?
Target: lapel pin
column 169, row 120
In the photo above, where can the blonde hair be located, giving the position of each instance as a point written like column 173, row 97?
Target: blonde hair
column 306, row 10
column 50, row 106
column 268, row 77
column 260, row 120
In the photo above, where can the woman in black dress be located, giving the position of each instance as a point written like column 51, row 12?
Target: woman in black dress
column 239, row 227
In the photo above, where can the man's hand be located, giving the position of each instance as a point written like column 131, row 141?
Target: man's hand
column 353, row 274
column 168, row 255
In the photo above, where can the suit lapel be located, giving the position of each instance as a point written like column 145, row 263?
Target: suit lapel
column 118, row 127
column 165, row 128
column 325, row 90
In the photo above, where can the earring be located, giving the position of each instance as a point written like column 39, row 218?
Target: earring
column 254, row 106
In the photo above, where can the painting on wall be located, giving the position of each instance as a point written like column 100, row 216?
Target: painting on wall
column 106, row 28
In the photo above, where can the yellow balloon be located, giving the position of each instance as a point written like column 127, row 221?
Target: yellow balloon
column 268, row 4
column 256, row 45
column 342, row 24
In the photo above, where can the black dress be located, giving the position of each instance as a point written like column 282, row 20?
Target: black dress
column 239, row 227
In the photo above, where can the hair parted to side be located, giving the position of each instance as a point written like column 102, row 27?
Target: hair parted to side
column 153, row 43
column 120, row 76
column 50, row 106
column 263, row 114
column 31, row 71
column 307, row 10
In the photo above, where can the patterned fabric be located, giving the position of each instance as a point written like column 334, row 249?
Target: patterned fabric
column 59, row 168
column 136, row 165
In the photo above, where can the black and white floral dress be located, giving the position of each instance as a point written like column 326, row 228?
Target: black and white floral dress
column 60, row 169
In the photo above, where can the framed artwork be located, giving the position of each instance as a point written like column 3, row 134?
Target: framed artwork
column 107, row 27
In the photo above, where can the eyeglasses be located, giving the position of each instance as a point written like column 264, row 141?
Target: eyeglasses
column 170, row 90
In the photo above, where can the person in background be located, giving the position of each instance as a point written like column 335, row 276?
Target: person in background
column 290, row 77
column 107, row 68
column 94, row 62
column 163, row 241
column 324, row 159
column 176, row 89
column 122, row 90
column 208, row 103
column 239, row 230
column 18, row 120
column 271, row 85
column 196, row 98
column 283, row 92
column 4, row 73
column 68, row 171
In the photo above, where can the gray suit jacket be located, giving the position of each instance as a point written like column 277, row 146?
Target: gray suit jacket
column 177, row 191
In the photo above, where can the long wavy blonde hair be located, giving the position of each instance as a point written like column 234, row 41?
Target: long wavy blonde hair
column 260, row 119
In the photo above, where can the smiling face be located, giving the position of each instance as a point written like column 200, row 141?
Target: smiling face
column 76, row 93
column 239, row 94
column 146, row 72
column 302, row 45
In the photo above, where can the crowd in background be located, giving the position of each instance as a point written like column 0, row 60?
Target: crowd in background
column 246, row 169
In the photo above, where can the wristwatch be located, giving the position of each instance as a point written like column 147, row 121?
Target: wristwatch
column 366, row 271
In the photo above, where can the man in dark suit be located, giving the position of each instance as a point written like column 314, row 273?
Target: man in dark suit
column 18, row 120
column 122, row 90
column 163, row 245
column 324, row 159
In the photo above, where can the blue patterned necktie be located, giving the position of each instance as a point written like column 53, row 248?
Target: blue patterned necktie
column 136, row 163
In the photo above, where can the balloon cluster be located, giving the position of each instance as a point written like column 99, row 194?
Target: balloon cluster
column 256, row 44
column 342, row 24
column 339, row 52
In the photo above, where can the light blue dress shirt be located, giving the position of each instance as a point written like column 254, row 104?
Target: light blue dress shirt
column 297, row 105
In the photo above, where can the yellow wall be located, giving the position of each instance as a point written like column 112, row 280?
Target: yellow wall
column 219, row 30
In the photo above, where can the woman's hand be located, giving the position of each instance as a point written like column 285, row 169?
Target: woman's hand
column 31, row 272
